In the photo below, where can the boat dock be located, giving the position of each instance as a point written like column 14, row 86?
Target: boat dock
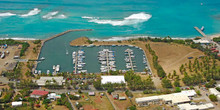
column 75, row 63
column 78, row 61
column 200, row 31
column 107, row 60
column 128, row 59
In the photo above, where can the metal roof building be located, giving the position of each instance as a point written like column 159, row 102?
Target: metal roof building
column 175, row 98
column 187, row 106
column 201, row 41
column 15, row 104
column 112, row 79
column 42, row 81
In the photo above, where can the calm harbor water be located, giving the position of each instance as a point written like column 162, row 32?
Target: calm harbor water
column 54, row 52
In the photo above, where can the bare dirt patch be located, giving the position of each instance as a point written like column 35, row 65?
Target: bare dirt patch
column 80, row 41
column 9, row 58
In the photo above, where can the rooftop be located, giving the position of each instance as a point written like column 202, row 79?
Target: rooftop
column 202, row 41
column 174, row 97
column 39, row 92
column 11, row 66
column 42, row 81
column 112, row 79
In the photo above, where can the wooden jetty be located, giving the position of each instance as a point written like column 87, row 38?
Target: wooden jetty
column 202, row 33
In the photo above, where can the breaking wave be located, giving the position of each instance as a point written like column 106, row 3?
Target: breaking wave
column 7, row 14
column 33, row 12
column 133, row 19
column 50, row 15
column 128, row 38
column 18, row 38
column 54, row 14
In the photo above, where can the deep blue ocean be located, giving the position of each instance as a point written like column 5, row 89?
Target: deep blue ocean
column 109, row 18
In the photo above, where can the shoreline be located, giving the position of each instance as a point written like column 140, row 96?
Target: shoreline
column 114, row 38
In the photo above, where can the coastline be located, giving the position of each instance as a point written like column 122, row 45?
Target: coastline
column 113, row 38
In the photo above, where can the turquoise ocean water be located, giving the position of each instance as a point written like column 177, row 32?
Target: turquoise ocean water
column 109, row 18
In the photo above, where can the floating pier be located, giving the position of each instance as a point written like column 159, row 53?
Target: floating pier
column 107, row 60
column 129, row 53
column 76, row 60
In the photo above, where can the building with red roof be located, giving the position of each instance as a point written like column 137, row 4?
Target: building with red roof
column 38, row 93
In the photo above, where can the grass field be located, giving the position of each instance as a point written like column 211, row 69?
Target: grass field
column 94, row 102
column 121, row 104
column 172, row 56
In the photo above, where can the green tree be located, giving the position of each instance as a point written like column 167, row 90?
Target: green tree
column 177, row 89
column 110, row 90
column 213, row 98
column 166, row 83
column 176, row 83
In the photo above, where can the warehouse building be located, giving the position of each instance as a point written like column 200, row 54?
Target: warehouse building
column 42, row 81
column 187, row 106
column 112, row 79
column 215, row 92
column 174, row 99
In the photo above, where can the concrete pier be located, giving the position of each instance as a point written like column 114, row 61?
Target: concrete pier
column 202, row 33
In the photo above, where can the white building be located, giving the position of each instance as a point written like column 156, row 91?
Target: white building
column 174, row 99
column 16, row 104
column 201, row 41
column 42, row 81
column 215, row 92
column 91, row 93
column 53, row 96
column 112, row 79
column 187, row 106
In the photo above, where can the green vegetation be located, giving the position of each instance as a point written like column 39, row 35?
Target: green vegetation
column 170, row 40
column 166, row 83
column 16, row 74
column 147, row 91
column 89, row 41
column 217, row 39
column 198, row 93
column 128, row 93
column 8, row 96
column 157, row 66
column 97, row 84
column 64, row 101
column 210, row 84
column 132, row 108
column 200, row 71
column 218, row 89
column 177, row 89
column 53, row 84
column 119, row 41
column 213, row 98
column 26, row 84
column 37, row 42
column 134, row 81
column 25, row 45
column 72, row 97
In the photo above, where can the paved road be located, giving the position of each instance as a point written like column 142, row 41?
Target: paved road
column 204, row 96
column 22, row 60
column 115, row 108
column 70, row 102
